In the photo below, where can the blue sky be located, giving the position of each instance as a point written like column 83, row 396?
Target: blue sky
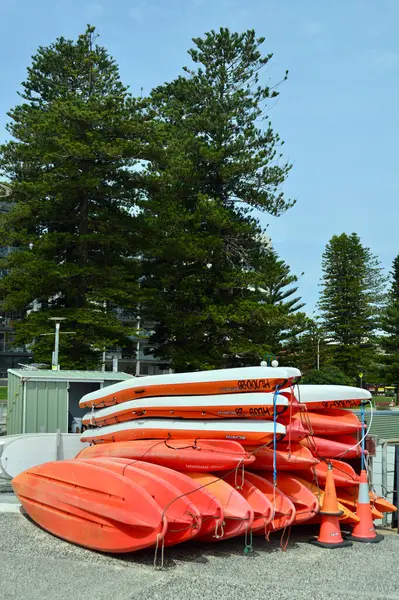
column 338, row 112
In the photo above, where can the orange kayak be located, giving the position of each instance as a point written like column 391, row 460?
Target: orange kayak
column 220, row 381
column 341, row 447
column 71, row 500
column 305, row 502
column 183, row 517
column 344, row 475
column 347, row 515
column 209, row 507
column 284, row 509
column 252, row 432
column 287, row 459
column 328, row 422
column 260, row 504
column 296, row 430
column 380, row 504
column 181, row 455
column 255, row 405
column 349, row 499
column 238, row 514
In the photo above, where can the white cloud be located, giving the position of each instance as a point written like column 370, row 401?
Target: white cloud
column 311, row 28
column 387, row 61
column 94, row 9
column 147, row 10
column 140, row 10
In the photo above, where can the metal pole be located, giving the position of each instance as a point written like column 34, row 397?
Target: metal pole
column 138, row 347
column 23, row 405
column 318, row 354
column 57, row 345
column 384, row 476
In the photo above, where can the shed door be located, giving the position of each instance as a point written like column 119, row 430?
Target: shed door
column 46, row 406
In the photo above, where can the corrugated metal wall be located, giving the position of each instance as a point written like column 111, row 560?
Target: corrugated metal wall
column 46, row 406
column 14, row 402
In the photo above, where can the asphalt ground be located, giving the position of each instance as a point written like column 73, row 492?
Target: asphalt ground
column 35, row 565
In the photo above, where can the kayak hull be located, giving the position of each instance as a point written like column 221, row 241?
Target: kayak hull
column 71, row 500
column 183, row 518
column 238, row 514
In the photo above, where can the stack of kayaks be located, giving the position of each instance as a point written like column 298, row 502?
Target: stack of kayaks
column 208, row 455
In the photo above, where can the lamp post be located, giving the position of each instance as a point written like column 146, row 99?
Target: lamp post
column 318, row 353
column 138, row 345
column 54, row 363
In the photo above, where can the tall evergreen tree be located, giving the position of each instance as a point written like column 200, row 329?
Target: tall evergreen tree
column 390, row 326
column 278, row 291
column 76, row 137
column 350, row 301
column 201, row 234
column 307, row 349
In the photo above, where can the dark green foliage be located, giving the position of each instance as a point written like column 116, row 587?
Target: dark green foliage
column 329, row 375
column 305, row 347
column 390, row 326
column 202, row 241
column 76, row 137
column 351, row 297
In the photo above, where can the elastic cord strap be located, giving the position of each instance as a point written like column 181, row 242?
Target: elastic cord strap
column 275, row 436
column 363, row 436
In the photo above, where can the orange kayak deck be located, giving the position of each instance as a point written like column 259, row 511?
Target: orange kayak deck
column 342, row 447
column 344, row 475
column 287, row 459
column 329, row 421
column 181, row 455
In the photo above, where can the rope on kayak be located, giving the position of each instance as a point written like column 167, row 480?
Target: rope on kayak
column 365, row 434
column 242, row 471
column 284, row 543
column 217, row 535
column 248, row 548
column 161, row 538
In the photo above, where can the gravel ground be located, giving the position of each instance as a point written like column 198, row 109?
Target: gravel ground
column 36, row 565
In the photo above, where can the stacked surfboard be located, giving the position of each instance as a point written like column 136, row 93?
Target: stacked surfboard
column 210, row 455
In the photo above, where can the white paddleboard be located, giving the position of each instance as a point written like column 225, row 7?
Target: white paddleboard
column 220, row 381
column 20, row 452
column 244, row 430
column 220, row 406
column 330, row 396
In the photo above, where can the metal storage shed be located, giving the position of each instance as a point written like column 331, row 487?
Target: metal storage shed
column 44, row 401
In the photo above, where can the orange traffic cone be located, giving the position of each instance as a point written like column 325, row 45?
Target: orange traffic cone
column 364, row 531
column 330, row 533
